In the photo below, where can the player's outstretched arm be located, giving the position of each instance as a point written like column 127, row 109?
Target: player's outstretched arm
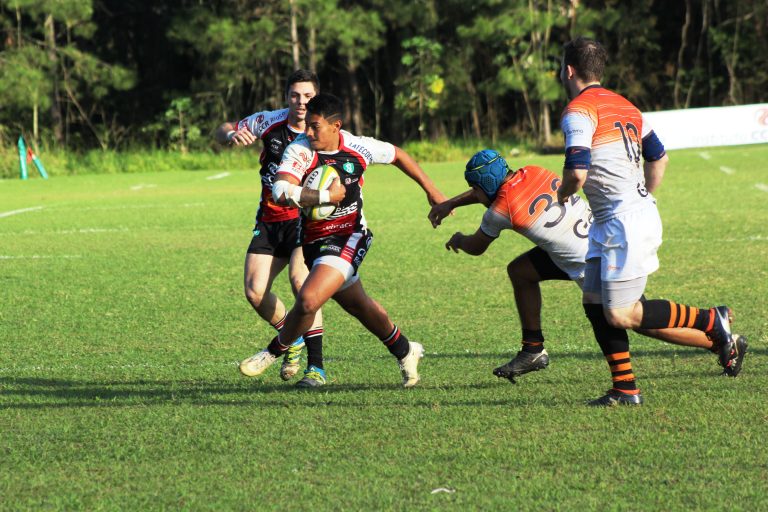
column 654, row 173
column 573, row 180
column 474, row 244
column 408, row 165
column 226, row 134
column 444, row 209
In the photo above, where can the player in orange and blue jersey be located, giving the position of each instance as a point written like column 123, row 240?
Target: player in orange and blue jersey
column 525, row 201
column 606, row 137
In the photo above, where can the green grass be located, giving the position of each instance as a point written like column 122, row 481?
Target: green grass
column 122, row 320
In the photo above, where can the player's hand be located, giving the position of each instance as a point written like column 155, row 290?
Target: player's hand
column 561, row 198
column 454, row 244
column 439, row 212
column 435, row 197
column 337, row 191
column 242, row 137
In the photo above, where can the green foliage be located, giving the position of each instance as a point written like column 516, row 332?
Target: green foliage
column 24, row 79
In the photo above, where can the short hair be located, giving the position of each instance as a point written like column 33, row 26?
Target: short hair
column 326, row 105
column 302, row 75
column 587, row 57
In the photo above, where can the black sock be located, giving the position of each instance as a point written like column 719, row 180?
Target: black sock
column 275, row 348
column 396, row 343
column 313, row 339
column 533, row 341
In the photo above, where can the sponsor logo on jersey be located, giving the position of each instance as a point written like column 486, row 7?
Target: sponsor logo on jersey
column 364, row 152
column 348, row 167
column 330, row 248
column 256, row 232
column 275, row 145
column 360, row 255
column 341, row 212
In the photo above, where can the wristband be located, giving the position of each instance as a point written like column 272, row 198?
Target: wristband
column 325, row 197
column 230, row 134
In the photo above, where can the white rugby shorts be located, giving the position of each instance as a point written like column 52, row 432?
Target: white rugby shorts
column 627, row 244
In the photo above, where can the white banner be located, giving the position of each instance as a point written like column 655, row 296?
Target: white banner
column 715, row 126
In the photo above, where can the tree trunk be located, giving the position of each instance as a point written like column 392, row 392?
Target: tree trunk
column 56, row 118
column 474, row 113
column 313, row 49
column 681, row 54
column 357, row 106
column 492, row 117
column 699, row 49
column 294, row 35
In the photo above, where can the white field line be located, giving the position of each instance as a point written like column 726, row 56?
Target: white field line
column 705, row 155
column 761, row 186
column 727, row 170
column 753, row 238
column 128, row 366
column 129, row 207
column 143, row 186
column 40, row 257
column 22, row 210
column 218, row 176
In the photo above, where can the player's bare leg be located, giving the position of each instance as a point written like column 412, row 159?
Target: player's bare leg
column 314, row 375
column 323, row 281
column 374, row 317
column 259, row 274
column 525, row 281
column 680, row 336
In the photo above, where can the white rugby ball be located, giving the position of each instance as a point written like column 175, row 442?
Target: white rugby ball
column 320, row 179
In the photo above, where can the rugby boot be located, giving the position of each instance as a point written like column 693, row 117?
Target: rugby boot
column 410, row 363
column 614, row 397
column 314, row 377
column 522, row 363
column 256, row 364
column 721, row 334
column 733, row 368
column 291, row 359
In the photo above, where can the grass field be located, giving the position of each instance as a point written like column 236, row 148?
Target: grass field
column 122, row 320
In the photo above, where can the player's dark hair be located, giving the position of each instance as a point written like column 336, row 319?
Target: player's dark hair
column 587, row 57
column 326, row 105
column 302, row 75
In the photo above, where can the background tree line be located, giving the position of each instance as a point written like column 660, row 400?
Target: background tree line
column 117, row 74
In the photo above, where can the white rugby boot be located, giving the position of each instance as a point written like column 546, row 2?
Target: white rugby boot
column 409, row 365
column 256, row 364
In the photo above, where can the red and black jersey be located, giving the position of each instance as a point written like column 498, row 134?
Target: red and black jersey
column 276, row 134
column 350, row 161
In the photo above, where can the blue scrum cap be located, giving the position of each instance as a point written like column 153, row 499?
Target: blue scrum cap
column 486, row 169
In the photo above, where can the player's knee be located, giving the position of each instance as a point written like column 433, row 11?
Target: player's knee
column 254, row 296
column 307, row 304
column 618, row 319
column 516, row 272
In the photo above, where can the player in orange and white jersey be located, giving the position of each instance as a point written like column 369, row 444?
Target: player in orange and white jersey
column 525, row 201
column 619, row 161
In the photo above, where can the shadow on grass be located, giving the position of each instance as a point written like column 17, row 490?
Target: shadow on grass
column 39, row 393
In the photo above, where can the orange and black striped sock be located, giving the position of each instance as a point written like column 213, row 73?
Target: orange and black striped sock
column 665, row 314
column 614, row 343
column 621, row 373
column 533, row 341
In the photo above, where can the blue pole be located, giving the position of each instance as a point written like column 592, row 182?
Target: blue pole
column 39, row 164
column 22, row 159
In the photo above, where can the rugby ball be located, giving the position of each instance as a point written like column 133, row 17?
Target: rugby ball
column 320, row 179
